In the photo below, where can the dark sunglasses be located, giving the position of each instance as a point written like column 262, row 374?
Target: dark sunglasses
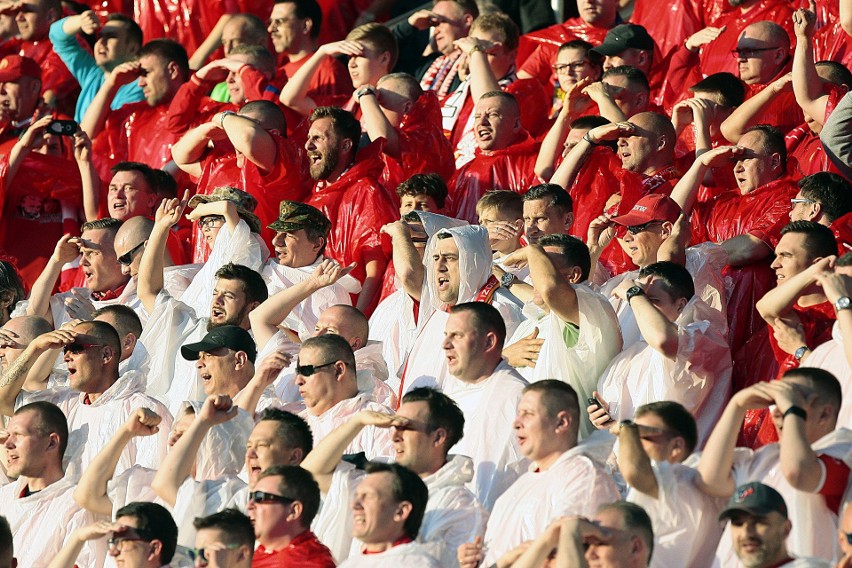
column 308, row 370
column 201, row 554
column 78, row 347
column 264, row 498
column 636, row 229
column 127, row 258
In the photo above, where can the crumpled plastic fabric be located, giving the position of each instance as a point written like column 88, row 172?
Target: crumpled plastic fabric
column 223, row 450
column 424, row 148
column 511, row 168
column 669, row 23
column 474, row 266
column 805, row 153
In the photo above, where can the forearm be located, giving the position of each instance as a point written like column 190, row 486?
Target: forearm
column 686, row 189
column 807, row 86
column 780, row 300
column 482, row 79
column 408, row 266
column 96, row 115
column 12, row 380
column 91, row 491
column 551, row 146
column 656, row 329
column 570, row 553
column 249, row 397
column 249, row 139
column 745, row 249
column 609, row 110
column 744, row 116
column 372, row 284
column 799, row 463
column 210, row 44
column 703, row 140
column 558, row 294
column 91, row 189
column 634, row 463
column 266, row 318
column 42, row 290
column 377, row 125
column 183, row 110
column 177, row 465
column 295, row 92
column 150, row 280
column 67, row 555
column 191, row 147
column 714, row 469
column 325, row 456
column 567, row 171
column 16, row 157
column 533, row 557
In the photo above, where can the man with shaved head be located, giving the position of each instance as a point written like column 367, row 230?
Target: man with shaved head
column 15, row 335
column 97, row 400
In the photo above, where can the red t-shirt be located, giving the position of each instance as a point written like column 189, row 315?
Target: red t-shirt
column 304, row 551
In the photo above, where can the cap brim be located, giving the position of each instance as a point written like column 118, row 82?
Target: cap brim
column 756, row 511
column 607, row 49
column 285, row 226
column 191, row 351
column 631, row 218
column 9, row 78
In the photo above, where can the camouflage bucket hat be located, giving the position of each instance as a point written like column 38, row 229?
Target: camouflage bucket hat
column 245, row 202
column 294, row 216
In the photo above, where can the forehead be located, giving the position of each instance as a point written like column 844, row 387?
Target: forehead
column 265, row 430
column 792, row 242
column 530, row 400
column 487, row 35
column 270, row 484
column 537, row 206
column 127, row 521
column 754, row 34
column 308, row 355
column 229, row 285
column 650, row 419
column 615, row 80
column 332, row 316
column 151, row 61
column 610, row 518
column 845, row 271
column 132, row 178
column 113, row 28
column 571, row 54
column 378, row 483
column 494, row 214
column 752, row 141
column 489, row 104
column 24, row 421
column 418, row 410
column 205, row 537
column 235, row 27
column 96, row 238
column 447, row 246
column 460, row 321
column 283, row 9
column 322, row 126
column 449, row 9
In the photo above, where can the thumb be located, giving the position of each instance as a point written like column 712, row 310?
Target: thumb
column 534, row 333
column 477, row 541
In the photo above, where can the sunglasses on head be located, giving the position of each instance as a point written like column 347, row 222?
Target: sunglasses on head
column 78, row 346
column 264, row 498
column 308, row 370
column 127, row 258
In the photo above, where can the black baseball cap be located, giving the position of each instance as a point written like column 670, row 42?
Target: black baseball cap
column 230, row 336
column 754, row 498
column 623, row 37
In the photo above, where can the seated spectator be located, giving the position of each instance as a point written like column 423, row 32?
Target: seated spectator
column 494, row 37
column 388, row 530
column 655, row 457
column 34, row 19
column 504, row 158
column 622, row 92
column 823, row 197
column 460, row 271
column 349, row 195
column 681, row 356
column 38, row 505
column 501, row 212
column 135, row 523
column 137, row 132
column 539, row 49
column 573, row 333
column 758, row 515
column 259, row 160
column 408, row 119
column 426, row 426
column 813, row 484
column 373, row 52
column 287, row 538
column 228, row 536
column 294, row 27
column 565, row 478
column 422, row 192
column 119, row 39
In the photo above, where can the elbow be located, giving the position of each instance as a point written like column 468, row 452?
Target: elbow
column 730, row 133
column 544, row 172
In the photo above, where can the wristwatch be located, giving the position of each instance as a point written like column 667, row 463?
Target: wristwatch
column 223, row 115
column 364, row 91
column 507, row 280
column 634, row 291
column 800, row 352
column 842, row 303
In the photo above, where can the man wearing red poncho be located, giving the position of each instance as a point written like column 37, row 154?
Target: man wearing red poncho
column 349, row 195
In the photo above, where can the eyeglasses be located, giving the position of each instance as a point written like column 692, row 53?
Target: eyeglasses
column 636, row 229
column 749, row 52
column 264, row 498
column 127, row 258
column 201, row 553
column 117, row 542
column 308, row 370
column 568, row 67
column 796, row 200
column 78, row 347
column 211, row 221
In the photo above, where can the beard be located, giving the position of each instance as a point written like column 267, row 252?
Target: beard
column 235, row 319
column 321, row 170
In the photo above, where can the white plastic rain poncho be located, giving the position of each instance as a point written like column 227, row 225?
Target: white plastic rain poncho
column 304, row 317
column 333, row 523
column 699, row 378
column 576, row 484
column 831, row 356
column 217, row 465
column 393, row 321
column 410, row 555
column 91, row 426
column 685, row 519
column 453, row 515
column 581, row 365
column 42, row 522
column 489, row 408
column 704, row 262
column 817, row 534
column 426, row 365
column 241, row 247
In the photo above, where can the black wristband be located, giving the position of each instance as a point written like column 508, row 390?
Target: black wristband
column 589, row 140
column 796, row 411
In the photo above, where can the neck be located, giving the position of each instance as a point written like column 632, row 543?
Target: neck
column 44, row 479
column 655, row 167
column 483, row 373
column 324, row 405
column 339, row 170
column 433, row 467
column 281, row 541
column 305, row 49
column 376, row 547
column 544, row 463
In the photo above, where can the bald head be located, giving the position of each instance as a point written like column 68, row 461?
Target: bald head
column 346, row 321
column 763, row 51
column 650, row 147
column 769, row 32
column 134, row 231
column 23, row 330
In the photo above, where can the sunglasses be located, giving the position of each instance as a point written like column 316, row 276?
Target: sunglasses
column 749, row 53
column 848, row 538
column 78, row 347
column 201, row 553
column 264, row 498
column 308, row 370
column 636, row 229
column 127, row 258
column 796, row 200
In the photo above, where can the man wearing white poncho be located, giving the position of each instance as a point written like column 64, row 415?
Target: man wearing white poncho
column 681, row 355
column 578, row 326
column 458, row 264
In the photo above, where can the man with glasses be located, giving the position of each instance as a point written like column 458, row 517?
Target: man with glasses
column 823, row 197
column 223, row 540
column 96, row 398
column 282, row 506
column 144, row 535
column 39, row 504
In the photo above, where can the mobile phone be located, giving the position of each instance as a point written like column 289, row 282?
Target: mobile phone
column 593, row 401
column 62, row 127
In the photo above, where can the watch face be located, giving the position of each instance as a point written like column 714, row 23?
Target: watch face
column 843, row 303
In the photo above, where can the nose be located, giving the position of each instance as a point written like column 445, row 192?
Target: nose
column 232, row 78
column 300, row 380
column 278, row 240
column 441, row 265
column 447, row 343
column 628, row 237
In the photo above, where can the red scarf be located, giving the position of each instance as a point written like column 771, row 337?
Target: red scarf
column 108, row 294
column 441, row 73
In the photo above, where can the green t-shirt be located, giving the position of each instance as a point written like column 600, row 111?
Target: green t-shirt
column 570, row 333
